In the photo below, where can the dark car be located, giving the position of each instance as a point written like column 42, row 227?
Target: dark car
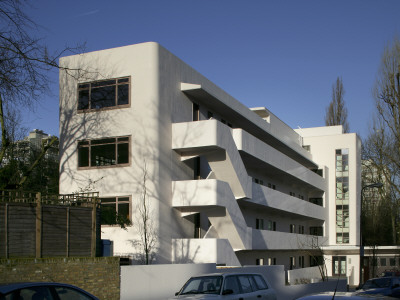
column 388, row 286
column 343, row 296
column 43, row 291
column 389, row 273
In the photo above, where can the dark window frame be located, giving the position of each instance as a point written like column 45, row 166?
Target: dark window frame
column 89, row 144
column 89, row 86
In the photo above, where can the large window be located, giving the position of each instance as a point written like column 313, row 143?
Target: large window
column 103, row 152
column 103, row 94
column 342, row 196
column 115, row 211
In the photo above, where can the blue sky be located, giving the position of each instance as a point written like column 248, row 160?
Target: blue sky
column 283, row 55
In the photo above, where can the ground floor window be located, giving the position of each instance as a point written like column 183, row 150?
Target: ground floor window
column 115, row 211
column 316, row 261
column 301, row 261
column 260, row 261
column 339, row 265
column 292, row 262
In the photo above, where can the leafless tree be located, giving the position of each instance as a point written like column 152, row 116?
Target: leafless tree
column 25, row 62
column 336, row 112
column 315, row 250
column 145, row 226
column 382, row 146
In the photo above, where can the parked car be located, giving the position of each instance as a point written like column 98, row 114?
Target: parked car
column 227, row 286
column 343, row 296
column 389, row 273
column 43, row 291
column 388, row 286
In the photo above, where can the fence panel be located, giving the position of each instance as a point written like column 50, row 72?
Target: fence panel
column 32, row 225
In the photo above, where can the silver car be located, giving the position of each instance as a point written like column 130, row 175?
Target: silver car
column 227, row 286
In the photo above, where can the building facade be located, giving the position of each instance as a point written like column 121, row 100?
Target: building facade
column 220, row 182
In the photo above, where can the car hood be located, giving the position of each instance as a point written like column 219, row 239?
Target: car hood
column 196, row 296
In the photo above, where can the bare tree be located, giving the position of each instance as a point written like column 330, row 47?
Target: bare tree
column 25, row 63
column 382, row 146
column 336, row 112
column 145, row 226
column 312, row 248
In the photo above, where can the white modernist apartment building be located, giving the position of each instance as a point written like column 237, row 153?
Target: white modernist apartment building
column 222, row 183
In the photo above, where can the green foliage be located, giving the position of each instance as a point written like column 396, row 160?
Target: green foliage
column 110, row 217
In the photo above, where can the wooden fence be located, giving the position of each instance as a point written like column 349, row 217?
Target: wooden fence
column 34, row 225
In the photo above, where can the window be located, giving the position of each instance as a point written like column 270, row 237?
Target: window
column 245, row 284
column 271, row 225
column 383, row 262
column 232, row 284
column 260, row 282
column 109, row 93
column 66, row 293
column 196, row 112
column 292, row 228
column 301, row 261
column 259, row 224
column 342, row 196
column 316, row 230
column 115, row 211
column 392, row 262
column 103, row 152
column 317, row 201
column 260, row 261
column 292, row 262
column 316, row 261
column 301, row 229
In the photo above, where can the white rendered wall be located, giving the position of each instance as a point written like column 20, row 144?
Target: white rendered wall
column 323, row 151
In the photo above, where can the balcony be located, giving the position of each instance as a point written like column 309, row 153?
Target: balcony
column 275, row 240
column 198, row 251
column 268, row 197
column 259, row 153
column 213, row 140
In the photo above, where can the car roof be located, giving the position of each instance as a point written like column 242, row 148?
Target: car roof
column 225, row 274
column 9, row 287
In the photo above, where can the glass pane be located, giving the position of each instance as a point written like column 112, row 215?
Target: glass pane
column 123, row 80
column 108, row 200
column 35, row 293
column 123, row 153
column 103, row 155
column 83, row 99
column 103, row 141
column 123, row 94
column 102, row 97
column 123, row 139
column 245, row 284
column 123, row 210
column 261, row 284
column 108, row 214
column 343, row 267
column 103, row 83
column 83, row 86
column 68, row 294
column 83, row 156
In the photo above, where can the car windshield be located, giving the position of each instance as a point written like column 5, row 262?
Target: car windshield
column 377, row 283
column 202, row 285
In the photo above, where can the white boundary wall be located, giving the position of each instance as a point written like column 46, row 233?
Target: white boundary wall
column 155, row 282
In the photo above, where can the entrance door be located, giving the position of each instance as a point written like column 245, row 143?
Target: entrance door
column 339, row 265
